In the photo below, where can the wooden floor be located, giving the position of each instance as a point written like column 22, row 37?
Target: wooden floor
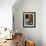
column 9, row 43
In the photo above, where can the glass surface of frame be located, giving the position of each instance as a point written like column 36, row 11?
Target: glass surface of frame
column 29, row 19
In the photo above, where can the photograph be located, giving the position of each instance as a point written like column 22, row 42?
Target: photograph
column 29, row 19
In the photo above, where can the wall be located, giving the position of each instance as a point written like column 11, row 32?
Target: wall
column 43, row 22
column 28, row 6
column 6, row 13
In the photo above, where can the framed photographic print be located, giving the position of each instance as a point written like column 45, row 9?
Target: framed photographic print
column 29, row 19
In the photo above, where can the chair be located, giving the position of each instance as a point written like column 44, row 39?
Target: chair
column 29, row 43
column 18, row 39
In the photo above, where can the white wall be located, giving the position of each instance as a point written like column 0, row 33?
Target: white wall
column 29, row 6
column 43, row 22
column 6, row 13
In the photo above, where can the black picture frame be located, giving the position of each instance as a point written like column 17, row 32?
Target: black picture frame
column 29, row 19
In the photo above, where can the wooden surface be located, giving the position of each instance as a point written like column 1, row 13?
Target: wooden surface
column 9, row 43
